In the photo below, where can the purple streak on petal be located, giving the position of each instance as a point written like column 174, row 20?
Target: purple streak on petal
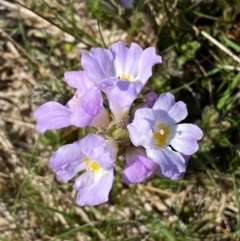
column 138, row 167
column 146, row 62
column 91, row 190
column 67, row 161
column 164, row 102
column 172, row 163
column 132, row 58
column 78, row 80
column 185, row 138
column 51, row 115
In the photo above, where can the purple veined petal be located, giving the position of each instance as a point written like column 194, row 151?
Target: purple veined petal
column 92, row 189
column 132, row 57
column 148, row 59
column 95, row 147
column 78, row 80
column 172, row 163
column 164, row 102
column 119, row 51
column 126, row 3
column 141, row 133
column 178, row 111
column 138, row 167
column 52, row 115
column 185, row 138
column 67, row 161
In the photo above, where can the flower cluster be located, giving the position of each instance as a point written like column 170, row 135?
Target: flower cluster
column 153, row 141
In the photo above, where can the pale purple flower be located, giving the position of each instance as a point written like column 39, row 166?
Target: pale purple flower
column 120, row 72
column 165, row 141
column 126, row 3
column 138, row 166
column 85, row 108
column 94, row 154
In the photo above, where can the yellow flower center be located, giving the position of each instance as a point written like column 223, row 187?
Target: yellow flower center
column 126, row 76
column 94, row 166
column 161, row 134
column 91, row 164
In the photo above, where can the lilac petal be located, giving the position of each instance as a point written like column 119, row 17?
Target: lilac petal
column 158, row 170
column 178, row 111
column 164, row 102
column 185, row 138
column 86, row 108
column 93, row 190
column 141, row 133
column 67, row 161
column 150, row 99
column 146, row 114
column 52, row 115
column 108, row 83
column 118, row 112
column 104, row 58
column 78, row 80
column 172, row 163
column 146, row 62
column 101, row 120
column 94, row 146
column 92, row 68
column 126, row 3
column 124, row 93
column 98, row 64
column 132, row 57
column 80, row 117
column 92, row 101
column 119, row 51
column 138, row 167
column 163, row 117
